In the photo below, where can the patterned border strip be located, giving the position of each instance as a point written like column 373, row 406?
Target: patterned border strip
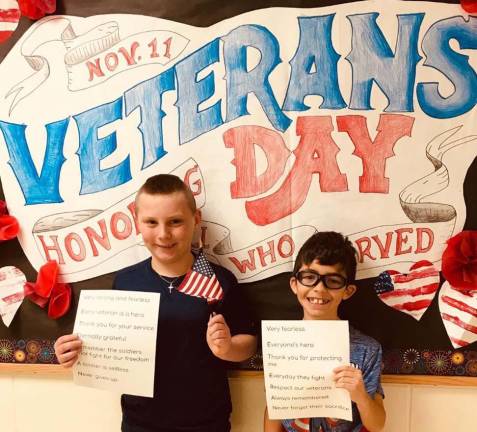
column 411, row 361
column 39, row 351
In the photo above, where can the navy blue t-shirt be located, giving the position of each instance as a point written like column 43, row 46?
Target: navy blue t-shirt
column 190, row 383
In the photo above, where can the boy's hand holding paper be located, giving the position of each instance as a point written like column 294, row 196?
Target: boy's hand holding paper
column 118, row 330
column 298, row 359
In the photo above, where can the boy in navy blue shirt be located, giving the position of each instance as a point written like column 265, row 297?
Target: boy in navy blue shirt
column 191, row 392
column 323, row 276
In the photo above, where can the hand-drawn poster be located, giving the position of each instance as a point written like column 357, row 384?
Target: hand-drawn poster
column 357, row 117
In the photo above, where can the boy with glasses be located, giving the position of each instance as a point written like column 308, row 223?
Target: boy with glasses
column 323, row 276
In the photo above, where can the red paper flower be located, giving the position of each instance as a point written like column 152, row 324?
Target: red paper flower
column 46, row 279
column 9, row 226
column 60, row 300
column 36, row 9
column 469, row 5
column 40, row 291
column 459, row 261
column 30, row 292
column 46, row 288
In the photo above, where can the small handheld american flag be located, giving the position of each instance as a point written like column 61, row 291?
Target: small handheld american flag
column 201, row 281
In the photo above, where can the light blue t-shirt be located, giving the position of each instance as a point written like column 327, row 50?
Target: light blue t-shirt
column 366, row 353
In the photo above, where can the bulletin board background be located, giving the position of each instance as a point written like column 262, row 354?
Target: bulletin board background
column 410, row 346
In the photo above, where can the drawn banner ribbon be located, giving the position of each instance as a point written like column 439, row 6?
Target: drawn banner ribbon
column 94, row 56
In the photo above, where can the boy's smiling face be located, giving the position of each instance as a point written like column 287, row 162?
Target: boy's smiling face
column 167, row 225
column 319, row 302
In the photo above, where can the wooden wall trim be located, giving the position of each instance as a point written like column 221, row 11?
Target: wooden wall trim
column 56, row 371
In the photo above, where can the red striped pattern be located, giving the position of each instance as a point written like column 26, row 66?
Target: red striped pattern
column 460, row 305
column 12, row 282
column 201, row 281
column 301, row 425
column 10, row 15
column 459, row 314
column 413, row 306
column 14, row 298
column 198, row 285
column 458, row 343
column 8, row 22
column 403, row 278
column 457, row 321
column 411, row 293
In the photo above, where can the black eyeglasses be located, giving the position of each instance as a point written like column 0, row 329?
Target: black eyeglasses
column 310, row 278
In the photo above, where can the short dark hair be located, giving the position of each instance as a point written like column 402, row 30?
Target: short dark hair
column 167, row 184
column 329, row 248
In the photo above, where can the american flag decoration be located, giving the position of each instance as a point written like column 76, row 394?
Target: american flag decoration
column 301, row 425
column 12, row 282
column 201, row 281
column 9, row 17
column 411, row 293
column 459, row 314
